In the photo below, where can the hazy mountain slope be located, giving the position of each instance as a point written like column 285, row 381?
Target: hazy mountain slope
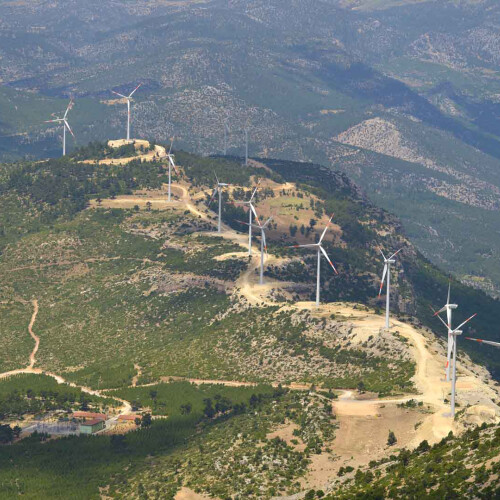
column 299, row 75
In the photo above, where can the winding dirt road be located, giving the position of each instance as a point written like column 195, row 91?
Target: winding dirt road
column 126, row 407
column 34, row 336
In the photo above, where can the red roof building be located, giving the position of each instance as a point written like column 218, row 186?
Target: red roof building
column 88, row 414
column 129, row 418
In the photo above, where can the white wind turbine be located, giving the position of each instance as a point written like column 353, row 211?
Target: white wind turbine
column 387, row 273
column 263, row 244
column 251, row 213
column 455, row 333
column 448, row 307
column 481, row 341
column 128, row 99
column 321, row 250
column 171, row 164
column 65, row 123
column 218, row 189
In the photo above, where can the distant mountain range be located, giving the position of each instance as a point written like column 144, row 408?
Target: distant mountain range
column 404, row 96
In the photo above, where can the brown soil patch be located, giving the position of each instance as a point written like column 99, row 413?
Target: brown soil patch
column 360, row 439
column 188, row 494
column 285, row 432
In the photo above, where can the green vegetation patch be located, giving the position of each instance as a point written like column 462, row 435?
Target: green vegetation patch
column 33, row 394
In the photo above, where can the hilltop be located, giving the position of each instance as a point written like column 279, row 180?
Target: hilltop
column 140, row 304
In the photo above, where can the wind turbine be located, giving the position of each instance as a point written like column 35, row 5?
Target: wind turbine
column 171, row 164
column 449, row 309
column 251, row 213
column 128, row 99
column 218, row 189
column 455, row 333
column 263, row 244
column 387, row 272
column 321, row 250
column 489, row 342
column 65, row 123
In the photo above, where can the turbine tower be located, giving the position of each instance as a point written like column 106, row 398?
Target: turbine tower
column 171, row 164
column 448, row 307
column 251, row 213
column 263, row 244
column 387, row 273
column 128, row 99
column 320, row 250
column 218, row 189
column 65, row 123
column 489, row 342
column 455, row 334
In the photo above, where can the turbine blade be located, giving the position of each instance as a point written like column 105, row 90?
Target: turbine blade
column 267, row 221
column 252, row 208
column 134, row 91
column 383, row 255
column 449, row 291
column 443, row 321
column 241, row 222
column 325, row 230
column 255, row 190
column 481, row 341
column 70, row 106
column 171, row 160
column 69, row 128
column 466, row 321
column 443, row 309
column 121, row 95
column 264, row 238
column 305, row 246
column 171, row 144
column 327, row 258
column 383, row 279
column 394, row 254
column 213, row 197
column 216, row 178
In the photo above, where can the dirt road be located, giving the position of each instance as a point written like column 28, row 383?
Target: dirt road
column 33, row 335
column 126, row 407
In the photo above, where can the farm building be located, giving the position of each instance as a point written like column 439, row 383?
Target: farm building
column 89, row 414
column 129, row 418
column 92, row 426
